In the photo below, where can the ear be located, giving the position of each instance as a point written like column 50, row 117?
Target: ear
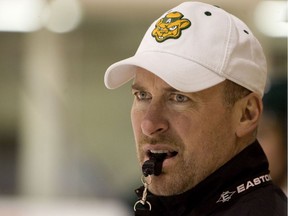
column 250, row 111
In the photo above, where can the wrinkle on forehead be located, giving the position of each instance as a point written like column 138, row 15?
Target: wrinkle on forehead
column 144, row 79
column 145, row 76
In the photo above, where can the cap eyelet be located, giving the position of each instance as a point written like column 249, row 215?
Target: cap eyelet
column 208, row 13
column 246, row 31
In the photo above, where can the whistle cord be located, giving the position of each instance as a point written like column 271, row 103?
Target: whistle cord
column 153, row 166
column 143, row 207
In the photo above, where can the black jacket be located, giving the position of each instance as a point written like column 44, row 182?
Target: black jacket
column 241, row 187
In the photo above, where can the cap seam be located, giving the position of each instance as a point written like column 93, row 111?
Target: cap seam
column 227, row 48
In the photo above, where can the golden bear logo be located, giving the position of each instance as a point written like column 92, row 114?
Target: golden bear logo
column 170, row 26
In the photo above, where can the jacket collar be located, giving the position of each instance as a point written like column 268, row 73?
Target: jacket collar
column 220, row 187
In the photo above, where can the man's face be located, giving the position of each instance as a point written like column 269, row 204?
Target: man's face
column 196, row 131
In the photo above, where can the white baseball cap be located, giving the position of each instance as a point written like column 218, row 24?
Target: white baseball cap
column 195, row 46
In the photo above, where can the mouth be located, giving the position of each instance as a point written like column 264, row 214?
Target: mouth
column 161, row 154
column 153, row 165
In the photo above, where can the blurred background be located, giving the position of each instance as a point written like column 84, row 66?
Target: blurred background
column 66, row 144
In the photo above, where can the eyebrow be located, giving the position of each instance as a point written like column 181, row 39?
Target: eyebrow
column 136, row 86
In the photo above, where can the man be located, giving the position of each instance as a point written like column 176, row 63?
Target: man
column 198, row 80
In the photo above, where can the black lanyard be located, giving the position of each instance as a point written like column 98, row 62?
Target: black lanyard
column 153, row 166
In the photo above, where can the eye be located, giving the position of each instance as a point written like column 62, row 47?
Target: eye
column 142, row 95
column 179, row 98
column 172, row 28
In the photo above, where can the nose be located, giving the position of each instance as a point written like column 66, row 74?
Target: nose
column 154, row 121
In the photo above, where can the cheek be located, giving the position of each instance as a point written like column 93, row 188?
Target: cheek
column 185, row 126
column 189, row 130
column 196, row 125
column 204, row 134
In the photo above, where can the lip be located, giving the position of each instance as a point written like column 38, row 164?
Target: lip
column 158, row 147
column 147, row 149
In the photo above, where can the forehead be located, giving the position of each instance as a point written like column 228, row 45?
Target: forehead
column 146, row 80
column 142, row 74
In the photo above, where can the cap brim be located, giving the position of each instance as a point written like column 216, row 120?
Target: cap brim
column 182, row 74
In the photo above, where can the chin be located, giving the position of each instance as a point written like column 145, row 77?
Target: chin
column 164, row 186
